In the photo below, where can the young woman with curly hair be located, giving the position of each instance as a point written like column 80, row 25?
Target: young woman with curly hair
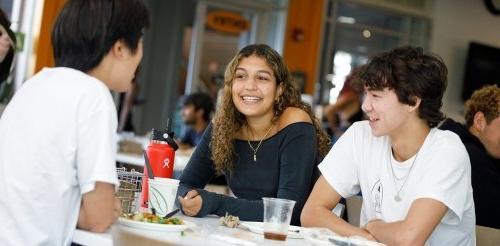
column 263, row 138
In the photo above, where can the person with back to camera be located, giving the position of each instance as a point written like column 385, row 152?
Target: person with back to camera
column 58, row 133
column 481, row 137
column 263, row 138
column 196, row 110
column 415, row 179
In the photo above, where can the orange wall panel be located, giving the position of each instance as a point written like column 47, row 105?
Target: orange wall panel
column 44, row 56
column 303, row 38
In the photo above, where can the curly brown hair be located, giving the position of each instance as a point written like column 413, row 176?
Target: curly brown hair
column 228, row 120
column 485, row 100
column 410, row 73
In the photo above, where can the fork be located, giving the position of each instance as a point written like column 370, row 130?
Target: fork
column 167, row 215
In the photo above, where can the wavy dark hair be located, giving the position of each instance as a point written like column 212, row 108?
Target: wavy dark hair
column 412, row 74
column 200, row 100
column 228, row 120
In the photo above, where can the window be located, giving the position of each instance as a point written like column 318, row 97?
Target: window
column 355, row 31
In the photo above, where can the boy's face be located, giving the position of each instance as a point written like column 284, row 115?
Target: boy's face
column 127, row 65
column 188, row 113
column 489, row 136
column 387, row 116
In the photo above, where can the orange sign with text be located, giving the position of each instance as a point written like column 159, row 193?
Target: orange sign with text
column 228, row 22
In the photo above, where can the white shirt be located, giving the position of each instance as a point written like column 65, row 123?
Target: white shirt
column 57, row 139
column 360, row 161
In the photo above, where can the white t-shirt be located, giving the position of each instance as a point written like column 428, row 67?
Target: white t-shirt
column 360, row 161
column 57, row 138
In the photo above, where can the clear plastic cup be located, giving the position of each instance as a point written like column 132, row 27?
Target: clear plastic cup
column 162, row 194
column 277, row 216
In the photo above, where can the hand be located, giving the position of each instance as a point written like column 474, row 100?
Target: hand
column 117, row 209
column 371, row 223
column 366, row 234
column 369, row 226
column 191, row 203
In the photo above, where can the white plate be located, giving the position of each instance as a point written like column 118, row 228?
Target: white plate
column 258, row 227
column 154, row 226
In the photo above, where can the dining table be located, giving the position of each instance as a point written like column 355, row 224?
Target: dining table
column 204, row 231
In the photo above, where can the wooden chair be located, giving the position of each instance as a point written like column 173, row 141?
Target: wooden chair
column 486, row 236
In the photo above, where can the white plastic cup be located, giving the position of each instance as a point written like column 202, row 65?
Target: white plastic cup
column 277, row 216
column 162, row 193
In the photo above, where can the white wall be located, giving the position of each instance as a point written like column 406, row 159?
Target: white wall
column 455, row 24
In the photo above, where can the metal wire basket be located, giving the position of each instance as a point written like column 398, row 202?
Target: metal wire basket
column 130, row 189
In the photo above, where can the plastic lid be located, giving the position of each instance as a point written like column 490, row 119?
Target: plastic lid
column 165, row 136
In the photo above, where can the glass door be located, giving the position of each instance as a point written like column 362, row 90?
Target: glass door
column 221, row 29
column 355, row 31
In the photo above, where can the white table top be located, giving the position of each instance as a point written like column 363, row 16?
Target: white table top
column 207, row 232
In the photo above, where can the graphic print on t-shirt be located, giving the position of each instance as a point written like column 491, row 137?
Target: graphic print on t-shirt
column 377, row 193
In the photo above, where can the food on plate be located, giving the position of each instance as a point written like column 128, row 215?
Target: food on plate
column 229, row 220
column 152, row 218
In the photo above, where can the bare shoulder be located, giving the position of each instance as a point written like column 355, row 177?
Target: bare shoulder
column 293, row 115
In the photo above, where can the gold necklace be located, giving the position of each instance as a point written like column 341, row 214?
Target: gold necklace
column 258, row 145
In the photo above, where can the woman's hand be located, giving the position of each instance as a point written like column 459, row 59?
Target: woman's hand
column 191, row 203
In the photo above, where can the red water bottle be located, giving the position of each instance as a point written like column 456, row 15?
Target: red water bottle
column 161, row 155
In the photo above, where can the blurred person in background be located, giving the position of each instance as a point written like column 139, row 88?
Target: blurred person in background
column 481, row 137
column 263, row 138
column 196, row 112
column 7, row 46
column 7, row 49
column 415, row 179
column 58, row 133
column 347, row 109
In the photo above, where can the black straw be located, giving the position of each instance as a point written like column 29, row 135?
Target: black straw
column 148, row 165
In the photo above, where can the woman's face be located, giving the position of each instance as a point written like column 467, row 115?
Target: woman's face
column 254, row 88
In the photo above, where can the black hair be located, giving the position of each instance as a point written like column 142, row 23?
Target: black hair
column 410, row 73
column 201, row 101
column 6, row 64
column 86, row 30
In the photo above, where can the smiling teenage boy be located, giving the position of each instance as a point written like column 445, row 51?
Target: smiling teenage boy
column 415, row 179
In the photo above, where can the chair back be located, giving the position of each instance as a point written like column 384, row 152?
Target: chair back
column 486, row 236
column 353, row 205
